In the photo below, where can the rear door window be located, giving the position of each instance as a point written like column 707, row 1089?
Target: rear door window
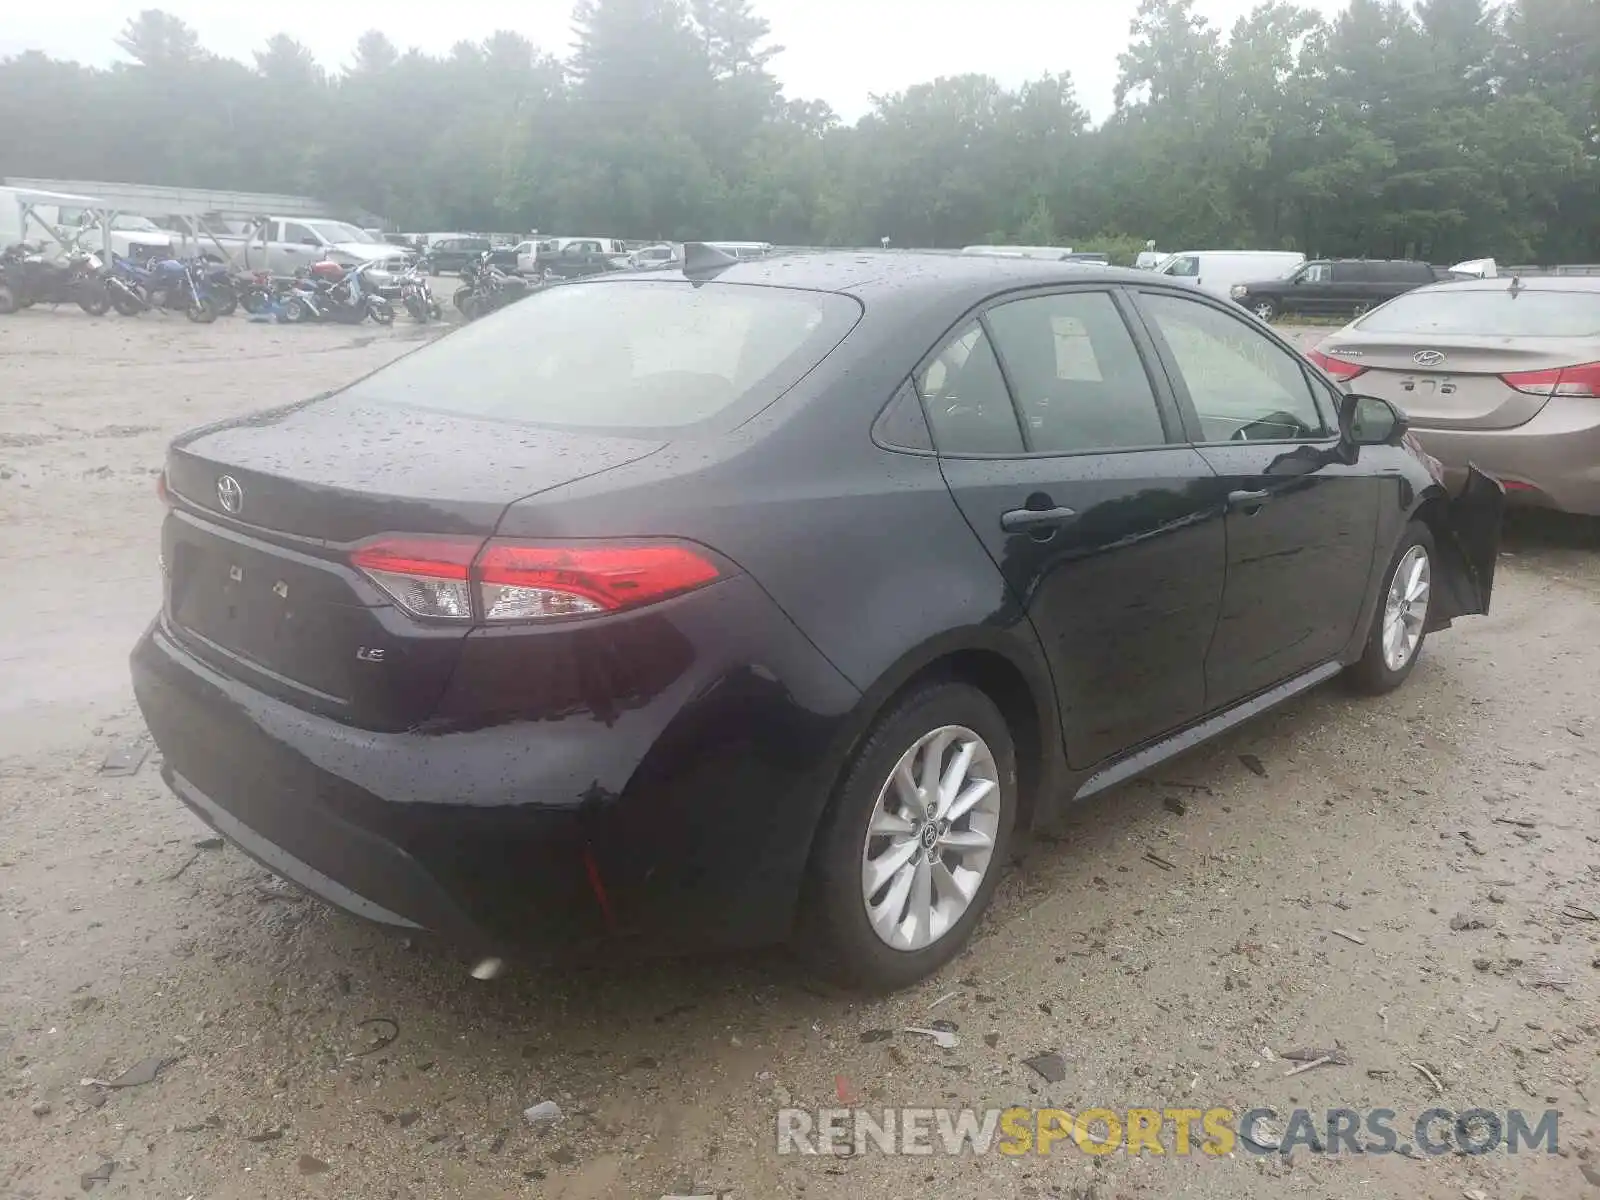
column 1078, row 378
column 1351, row 272
column 968, row 406
column 634, row 355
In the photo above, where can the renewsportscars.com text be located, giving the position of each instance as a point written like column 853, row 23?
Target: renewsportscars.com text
column 1211, row 1132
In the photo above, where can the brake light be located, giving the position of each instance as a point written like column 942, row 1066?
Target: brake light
column 163, row 494
column 502, row 580
column 1337, row 368
column 1581, row 380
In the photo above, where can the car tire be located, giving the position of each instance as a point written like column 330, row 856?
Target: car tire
column 1404, row 596
column 1265, row 310
column 835, row 932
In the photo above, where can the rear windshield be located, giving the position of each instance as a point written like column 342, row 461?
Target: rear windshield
column 633, row 355
column 1489, row 313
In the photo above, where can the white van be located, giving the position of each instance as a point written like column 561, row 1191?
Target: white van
column 1217, row 271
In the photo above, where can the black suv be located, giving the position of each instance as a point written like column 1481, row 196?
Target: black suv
column 1334, row 288
column 451, row 256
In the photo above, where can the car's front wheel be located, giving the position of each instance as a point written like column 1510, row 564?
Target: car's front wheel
column 913, row 845
column 1264, row 310
column 1400, row 622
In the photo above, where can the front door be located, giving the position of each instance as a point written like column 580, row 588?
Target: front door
column 1301, row 522
column 1067, row 461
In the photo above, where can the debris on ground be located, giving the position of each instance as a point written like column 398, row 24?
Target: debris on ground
column 944, row 1038
column 1174, row 806
column 1263, row 1133
column 1253, row 765
column 266, row 1135
column 384, row 1031
column 1050, row 1066
column 126, row 759
column 40, row 1108
column 1334, row 1056
column 1462, row 923
column 1430, row 1076
column 210, row 843
column 1349, row 937
column 1517, row 821
column 311, row 1165
column 846, row 1091
column 546, row 1112
column 1151, row 856
column 137, row 1075
column 1496, row 896
column 101, row 1174
column 1573, row 912
column 869, row 1036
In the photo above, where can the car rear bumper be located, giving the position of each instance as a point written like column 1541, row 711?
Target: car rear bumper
column 1551, row 461
column 670, row 806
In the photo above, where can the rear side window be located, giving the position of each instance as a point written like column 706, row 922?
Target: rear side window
column 967, row 402
column 633, row 355
column 1076, row 373
column 1451, row 309
column 1351, row 272
column 1185, row 266
column 1243, row 385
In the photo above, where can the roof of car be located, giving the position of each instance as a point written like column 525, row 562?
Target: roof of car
column 905, row 274
column 1525, row 283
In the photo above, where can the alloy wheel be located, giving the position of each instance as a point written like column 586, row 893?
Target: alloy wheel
column 1405, row 612
column 930, row 840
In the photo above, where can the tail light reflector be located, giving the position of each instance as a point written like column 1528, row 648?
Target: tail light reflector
column 428, row 577
column 502, row 580
column 1337, row 368
column 163, row 494
column 1581, row 380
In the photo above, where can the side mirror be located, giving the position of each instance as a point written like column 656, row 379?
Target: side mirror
column 1371, row 421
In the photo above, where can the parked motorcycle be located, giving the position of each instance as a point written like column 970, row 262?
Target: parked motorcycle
column 490, row 289
column 417, row 297
column 330, row 292
column 169, row 283
column 28, row 277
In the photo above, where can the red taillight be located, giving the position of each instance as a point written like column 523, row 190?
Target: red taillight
column 1337, row 368
column 162, row 494
column 457, row 579
column 1583, row 380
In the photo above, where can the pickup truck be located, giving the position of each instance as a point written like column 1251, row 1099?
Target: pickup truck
column 588, row 256
column 284, row 245
column 1335, row 287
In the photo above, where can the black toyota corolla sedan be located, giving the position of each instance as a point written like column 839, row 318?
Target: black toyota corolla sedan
column 772, row 601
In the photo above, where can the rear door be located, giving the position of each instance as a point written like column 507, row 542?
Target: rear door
column 1355, row 286
column 1300, row 525
column 1066, row 456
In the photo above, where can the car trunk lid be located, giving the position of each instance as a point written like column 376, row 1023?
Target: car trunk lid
column 1451, row 383
column 266, row 512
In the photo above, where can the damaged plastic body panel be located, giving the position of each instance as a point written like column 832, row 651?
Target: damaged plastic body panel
column 1469, row 549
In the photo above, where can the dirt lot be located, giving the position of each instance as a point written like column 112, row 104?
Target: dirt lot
column 1452, row 831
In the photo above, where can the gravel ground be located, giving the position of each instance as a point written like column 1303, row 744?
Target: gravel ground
column 1447, row 828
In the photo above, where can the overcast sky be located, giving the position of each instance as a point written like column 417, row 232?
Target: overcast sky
column 841, row 51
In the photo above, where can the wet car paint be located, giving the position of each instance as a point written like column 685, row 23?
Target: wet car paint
column 660, row 773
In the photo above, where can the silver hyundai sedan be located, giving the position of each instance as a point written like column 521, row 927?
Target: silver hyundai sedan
column 1501, row 373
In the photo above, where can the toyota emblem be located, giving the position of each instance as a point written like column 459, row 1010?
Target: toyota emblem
column 1428, row 358
column 229, row 494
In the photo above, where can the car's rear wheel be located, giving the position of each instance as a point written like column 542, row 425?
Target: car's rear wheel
column 912, row 846
column 1400, row 622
